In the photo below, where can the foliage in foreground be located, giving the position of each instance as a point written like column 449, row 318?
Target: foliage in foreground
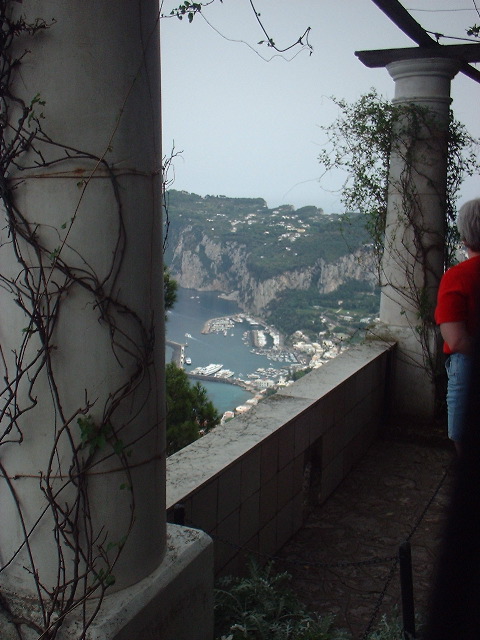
column 170, row 288
column 388, row 629
column 262, row 606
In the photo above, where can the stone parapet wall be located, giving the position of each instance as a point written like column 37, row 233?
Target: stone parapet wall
column 247, row 483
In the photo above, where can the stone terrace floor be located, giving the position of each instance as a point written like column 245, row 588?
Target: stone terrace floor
column 399, row 491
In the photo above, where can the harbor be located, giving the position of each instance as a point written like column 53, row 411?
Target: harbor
column 210, row 373
column 205, row 330
column 258, row 337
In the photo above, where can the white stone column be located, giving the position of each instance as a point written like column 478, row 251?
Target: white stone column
column 82, row 453
column 414, row 248
column 92, row 194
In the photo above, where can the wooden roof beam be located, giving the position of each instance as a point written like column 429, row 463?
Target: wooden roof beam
column 404, row 21
column 463, row 52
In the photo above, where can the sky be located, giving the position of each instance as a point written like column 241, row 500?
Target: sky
column 247, row 122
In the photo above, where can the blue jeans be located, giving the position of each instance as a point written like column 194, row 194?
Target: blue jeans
column 458, row 371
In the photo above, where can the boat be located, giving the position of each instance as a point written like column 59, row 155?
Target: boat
column 224, row 373
column 188, row 361
column 211, row 369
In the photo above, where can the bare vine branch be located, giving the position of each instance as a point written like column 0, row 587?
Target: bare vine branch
column 191, row 9
column 85, row 557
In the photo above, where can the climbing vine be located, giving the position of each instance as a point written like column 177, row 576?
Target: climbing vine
column 42, row 269
column 361, row 142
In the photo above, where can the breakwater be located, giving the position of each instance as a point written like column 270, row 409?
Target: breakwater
column 178, row 357
column 235, row 381
column 178, row 352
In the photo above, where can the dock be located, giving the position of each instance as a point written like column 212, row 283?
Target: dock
column 178, row 352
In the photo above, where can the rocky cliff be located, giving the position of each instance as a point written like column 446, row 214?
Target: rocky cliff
column 240, row 247
column 205, row 264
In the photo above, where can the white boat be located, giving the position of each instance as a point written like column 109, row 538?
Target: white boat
column 211, row 369
column 188, row 361
column 224, row 373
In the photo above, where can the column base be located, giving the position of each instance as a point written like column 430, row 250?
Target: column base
column 413, row 392
column 175, row 602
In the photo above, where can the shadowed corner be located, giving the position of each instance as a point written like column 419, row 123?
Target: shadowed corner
column 455, row 604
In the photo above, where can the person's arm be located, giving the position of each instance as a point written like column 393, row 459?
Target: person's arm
column 456, row 336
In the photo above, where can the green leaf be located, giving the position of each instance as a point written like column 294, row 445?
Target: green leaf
column 54, row 254
column 109, row 580
column 118, row 447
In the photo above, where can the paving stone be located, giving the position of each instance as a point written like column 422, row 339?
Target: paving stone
column 399, row 491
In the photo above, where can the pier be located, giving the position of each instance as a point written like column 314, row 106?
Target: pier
column 178, row 357
column 178, row 352
column 234, row 381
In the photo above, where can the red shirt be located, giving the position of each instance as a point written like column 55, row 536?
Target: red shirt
column 459, row 297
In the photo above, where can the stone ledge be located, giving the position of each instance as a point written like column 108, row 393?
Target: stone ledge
column 203, row 460
column 154, row 608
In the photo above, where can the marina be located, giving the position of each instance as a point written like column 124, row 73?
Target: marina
column 215, row 342
column 260, row 338
column 245, row 370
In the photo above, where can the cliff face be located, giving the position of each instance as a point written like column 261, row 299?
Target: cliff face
column 199, row 262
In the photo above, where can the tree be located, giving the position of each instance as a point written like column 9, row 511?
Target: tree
column 190, row 413
column 170, row 287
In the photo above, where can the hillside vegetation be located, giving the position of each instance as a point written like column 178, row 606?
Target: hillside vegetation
column 278, row 240
column 302, row 269
column 349, row 308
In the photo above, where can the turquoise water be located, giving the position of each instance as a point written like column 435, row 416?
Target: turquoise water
column 226, row 397
column 191, row 311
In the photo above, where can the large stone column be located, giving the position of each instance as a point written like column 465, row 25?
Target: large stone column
column 83, row 540
column 414, row 250
column 83, row 359
column 82, row 475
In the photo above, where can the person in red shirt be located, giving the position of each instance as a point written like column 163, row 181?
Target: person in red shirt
column 458, row 314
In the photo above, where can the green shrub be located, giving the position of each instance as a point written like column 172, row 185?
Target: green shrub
column 391, row 628
column 262, row 606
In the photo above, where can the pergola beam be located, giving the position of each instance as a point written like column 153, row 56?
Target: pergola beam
column 462, row 52
column 404, row 21
column 400, row 16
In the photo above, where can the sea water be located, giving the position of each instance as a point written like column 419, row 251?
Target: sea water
column 184, row 325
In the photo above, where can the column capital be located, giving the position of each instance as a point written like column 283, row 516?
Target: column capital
column 423, row 79
column 434, row 66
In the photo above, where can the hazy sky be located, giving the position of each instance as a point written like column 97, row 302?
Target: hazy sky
column 248, row 121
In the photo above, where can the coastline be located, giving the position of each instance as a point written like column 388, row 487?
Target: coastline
column 211, row 328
